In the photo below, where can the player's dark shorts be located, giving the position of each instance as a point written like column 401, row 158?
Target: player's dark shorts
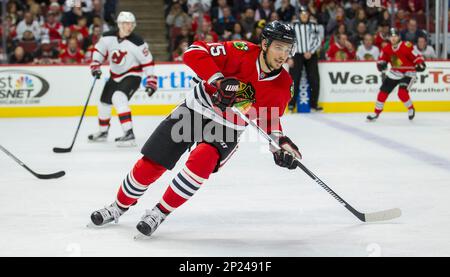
column 181, row 129
column 127, row 85
column 389, row 84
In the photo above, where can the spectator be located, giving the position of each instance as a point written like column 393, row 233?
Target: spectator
column 286, row 12
column 358, row 37
column 67, row 34
column 177, row 54
column 382, row 37
column 72, row 54
column 52, row 27
column 238, row 32
column 217, row 11
column 20, row 56
column 46, row 54
column 371, row 25
column 341, row 50
column 248, row 21
column 240, row 6
column 226, row 23
column 195, row 7
column 184, row 34
column 80, row 29
column 415, row 7
column 71, row 13
column 205, row 31
column 264, row 10
column 177, row 17
column 90, row 42
column 427, row 51
column 98, row 21
column 367, row 51
column 12, row 11
column 55, row 8
column 29, row 24
column 412, row 33
column 256, row 34
column 337, row 20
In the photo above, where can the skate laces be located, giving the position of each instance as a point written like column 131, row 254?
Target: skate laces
column 153, row 218
column 114, row 212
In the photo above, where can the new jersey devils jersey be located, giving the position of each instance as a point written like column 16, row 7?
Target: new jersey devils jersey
column 237, row 59
column 402, row 58
column 127, row 56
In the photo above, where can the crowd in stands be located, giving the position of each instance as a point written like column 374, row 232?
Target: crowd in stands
column 350, row 29
column 55, row 32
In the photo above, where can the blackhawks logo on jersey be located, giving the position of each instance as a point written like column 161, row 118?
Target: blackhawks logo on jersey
column 240, row 45
column 245, row 97
column 395, row 61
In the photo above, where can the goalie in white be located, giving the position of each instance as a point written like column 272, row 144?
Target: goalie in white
column 129, row 58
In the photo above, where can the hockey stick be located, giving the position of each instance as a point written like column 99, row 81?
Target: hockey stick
column 412, row 67
column 66, row 150
column 366, row 217
column 40, row 176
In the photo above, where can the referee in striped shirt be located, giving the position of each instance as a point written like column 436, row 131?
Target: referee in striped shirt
column 308, row 42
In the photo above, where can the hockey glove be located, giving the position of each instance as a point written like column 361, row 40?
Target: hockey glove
column 151, row 85
column 225, row 95
column 286, row 156
column 420, row 67
column 381, row 66
column 95, row 70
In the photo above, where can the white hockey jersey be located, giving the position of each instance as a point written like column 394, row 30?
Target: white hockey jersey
column 127, row 57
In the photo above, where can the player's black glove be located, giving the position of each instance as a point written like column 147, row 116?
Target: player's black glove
column 225, row 95
column 95, row 70
column 381, row 65
column 286, row 156
column 151, row 85
column 420, row 67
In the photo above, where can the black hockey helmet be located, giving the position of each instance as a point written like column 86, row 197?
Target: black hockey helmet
column 394, row 32
column 276, row 30
column 303, row 9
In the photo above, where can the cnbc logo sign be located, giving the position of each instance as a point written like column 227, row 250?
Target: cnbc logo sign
column 21, row 87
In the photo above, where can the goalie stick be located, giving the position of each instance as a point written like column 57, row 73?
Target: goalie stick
column 40, row 176
column 66, row 150
column 365, row 217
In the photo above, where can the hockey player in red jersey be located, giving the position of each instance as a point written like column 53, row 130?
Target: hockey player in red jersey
column 405, row 61
column 129, row 58
column 233, row 73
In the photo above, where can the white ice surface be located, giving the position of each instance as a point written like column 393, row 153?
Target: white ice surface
column 251, row 207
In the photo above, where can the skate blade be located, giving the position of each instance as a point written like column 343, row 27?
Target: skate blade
column 140, row 236
column 125, row 144
column 96, row 141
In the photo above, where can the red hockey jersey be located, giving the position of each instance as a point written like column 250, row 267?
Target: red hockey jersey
column 402, row 58
column 237, row 59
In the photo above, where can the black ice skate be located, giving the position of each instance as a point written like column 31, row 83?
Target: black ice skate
column 411, row 113
column 372, row 117
column 127, row 140
column 107, row 215
column 98, row 137
column 150, row 222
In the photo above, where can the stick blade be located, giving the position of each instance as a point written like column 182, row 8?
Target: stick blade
column 383, row 215
column 61, row 150
column 55, row 175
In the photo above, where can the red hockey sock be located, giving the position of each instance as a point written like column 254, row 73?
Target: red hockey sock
column 201, row 163
column 404, row 97
column 143, row 174
column 381, row 98
column 125, row 120
column 104, row 124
